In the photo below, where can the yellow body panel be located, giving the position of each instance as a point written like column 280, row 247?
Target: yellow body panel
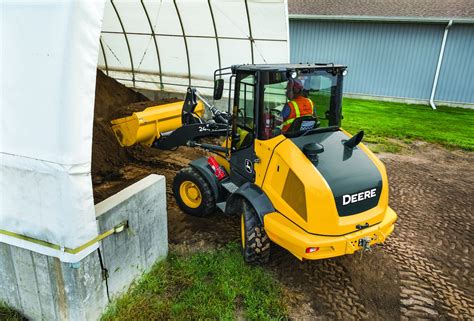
column 264, row 150
column 288, row 235
column 146, row 126
column 322, row 217
column 295, row 231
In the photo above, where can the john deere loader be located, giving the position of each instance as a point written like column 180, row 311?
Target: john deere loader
column 313, row 189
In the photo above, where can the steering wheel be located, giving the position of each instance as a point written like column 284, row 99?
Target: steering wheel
column 275, row 111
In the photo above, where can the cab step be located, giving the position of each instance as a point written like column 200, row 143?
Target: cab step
column 229, row 185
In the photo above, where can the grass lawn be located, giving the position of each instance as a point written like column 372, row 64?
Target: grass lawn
column 206, row 285
column 447, row 126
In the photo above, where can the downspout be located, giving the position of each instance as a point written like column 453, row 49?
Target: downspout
column 440, row 61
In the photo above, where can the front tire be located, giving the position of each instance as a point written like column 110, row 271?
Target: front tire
column 255, row 242
column 193, row 193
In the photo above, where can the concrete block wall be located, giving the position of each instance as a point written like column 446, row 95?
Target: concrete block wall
column 44, row 288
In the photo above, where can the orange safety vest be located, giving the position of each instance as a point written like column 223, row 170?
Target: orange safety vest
column 299, row 107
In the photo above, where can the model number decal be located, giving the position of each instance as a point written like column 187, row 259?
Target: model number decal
column 357, row 197
column 204, row 129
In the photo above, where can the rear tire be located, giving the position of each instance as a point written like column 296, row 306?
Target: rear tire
column 193, row 193
column 255, row 242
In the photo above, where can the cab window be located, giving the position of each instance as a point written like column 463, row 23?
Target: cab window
column 274, row 98
column 245, row 113
column 320, row 92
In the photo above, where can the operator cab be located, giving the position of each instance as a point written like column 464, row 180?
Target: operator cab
column 260, row 95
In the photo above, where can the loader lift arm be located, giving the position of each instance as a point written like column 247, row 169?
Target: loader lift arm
column 194, row 127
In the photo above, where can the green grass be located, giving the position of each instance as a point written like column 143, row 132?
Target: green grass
column 206, row 285
column 8, row 314
column 382, row 121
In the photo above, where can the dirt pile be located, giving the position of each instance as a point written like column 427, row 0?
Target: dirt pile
column 107, row 155
column 114, row 100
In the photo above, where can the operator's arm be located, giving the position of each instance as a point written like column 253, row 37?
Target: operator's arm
column 285, row 112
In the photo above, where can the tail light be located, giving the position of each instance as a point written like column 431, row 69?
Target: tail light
column 216, row 168
column 312, row 249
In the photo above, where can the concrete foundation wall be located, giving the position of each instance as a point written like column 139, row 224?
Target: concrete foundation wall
column 130, row 253
column 44, row 288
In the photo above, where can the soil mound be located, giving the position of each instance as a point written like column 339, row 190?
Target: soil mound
column 114, row 100
column 111, row 95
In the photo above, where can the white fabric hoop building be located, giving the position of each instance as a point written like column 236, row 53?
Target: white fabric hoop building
column 49, row 52
column 171, row 44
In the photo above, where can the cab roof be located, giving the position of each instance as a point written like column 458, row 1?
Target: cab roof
column 286, row 67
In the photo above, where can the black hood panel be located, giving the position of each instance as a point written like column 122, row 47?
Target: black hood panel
column 354, row 179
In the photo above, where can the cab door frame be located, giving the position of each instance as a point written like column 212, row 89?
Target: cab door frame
column 242, row 159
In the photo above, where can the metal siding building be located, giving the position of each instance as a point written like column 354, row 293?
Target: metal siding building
column 456, row 82
column 391, row 59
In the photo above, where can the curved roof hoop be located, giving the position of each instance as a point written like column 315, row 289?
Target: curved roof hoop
column 185, row 41
column 250, row 30
column 105, row 57
column 126, row 40
column 215, row 33
column 155, row 41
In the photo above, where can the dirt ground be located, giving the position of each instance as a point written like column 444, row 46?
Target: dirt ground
column 423, row 271
column 425, row 268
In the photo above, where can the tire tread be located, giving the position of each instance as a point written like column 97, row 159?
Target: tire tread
column 257, row 243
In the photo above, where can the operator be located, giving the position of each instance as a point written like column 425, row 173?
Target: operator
column 297, row 106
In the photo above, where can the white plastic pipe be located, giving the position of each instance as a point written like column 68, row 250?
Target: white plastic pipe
column 438, row 67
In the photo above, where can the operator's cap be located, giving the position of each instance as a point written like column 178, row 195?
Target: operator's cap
column 297, row 84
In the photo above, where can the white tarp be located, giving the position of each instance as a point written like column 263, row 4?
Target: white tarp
column 167, row 44
column 49, row 51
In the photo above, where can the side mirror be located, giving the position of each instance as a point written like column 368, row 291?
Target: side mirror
column 218, row 88
column 355, row 140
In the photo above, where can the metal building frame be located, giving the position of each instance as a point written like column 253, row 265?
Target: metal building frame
column 183, row 35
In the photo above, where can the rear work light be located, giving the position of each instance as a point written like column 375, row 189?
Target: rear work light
column 312, row 249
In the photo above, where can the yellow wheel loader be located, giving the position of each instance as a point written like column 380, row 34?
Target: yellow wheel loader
column 313, row 189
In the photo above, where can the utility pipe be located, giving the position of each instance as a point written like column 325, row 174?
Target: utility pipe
column 438, row 67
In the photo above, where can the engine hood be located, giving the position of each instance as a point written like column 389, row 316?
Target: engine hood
column 354, row 179
column 342, row 191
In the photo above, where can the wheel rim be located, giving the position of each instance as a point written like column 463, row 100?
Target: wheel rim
column 242, row 230
column 190, row 194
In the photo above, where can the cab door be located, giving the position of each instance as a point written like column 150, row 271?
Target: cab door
column 243, row 129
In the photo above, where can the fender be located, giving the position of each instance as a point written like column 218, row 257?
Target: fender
column 255, row 196
column 205, row 170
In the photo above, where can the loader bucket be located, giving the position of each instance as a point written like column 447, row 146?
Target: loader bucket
column 147, row 125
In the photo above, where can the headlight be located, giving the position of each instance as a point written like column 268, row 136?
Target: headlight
column 344, row 72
